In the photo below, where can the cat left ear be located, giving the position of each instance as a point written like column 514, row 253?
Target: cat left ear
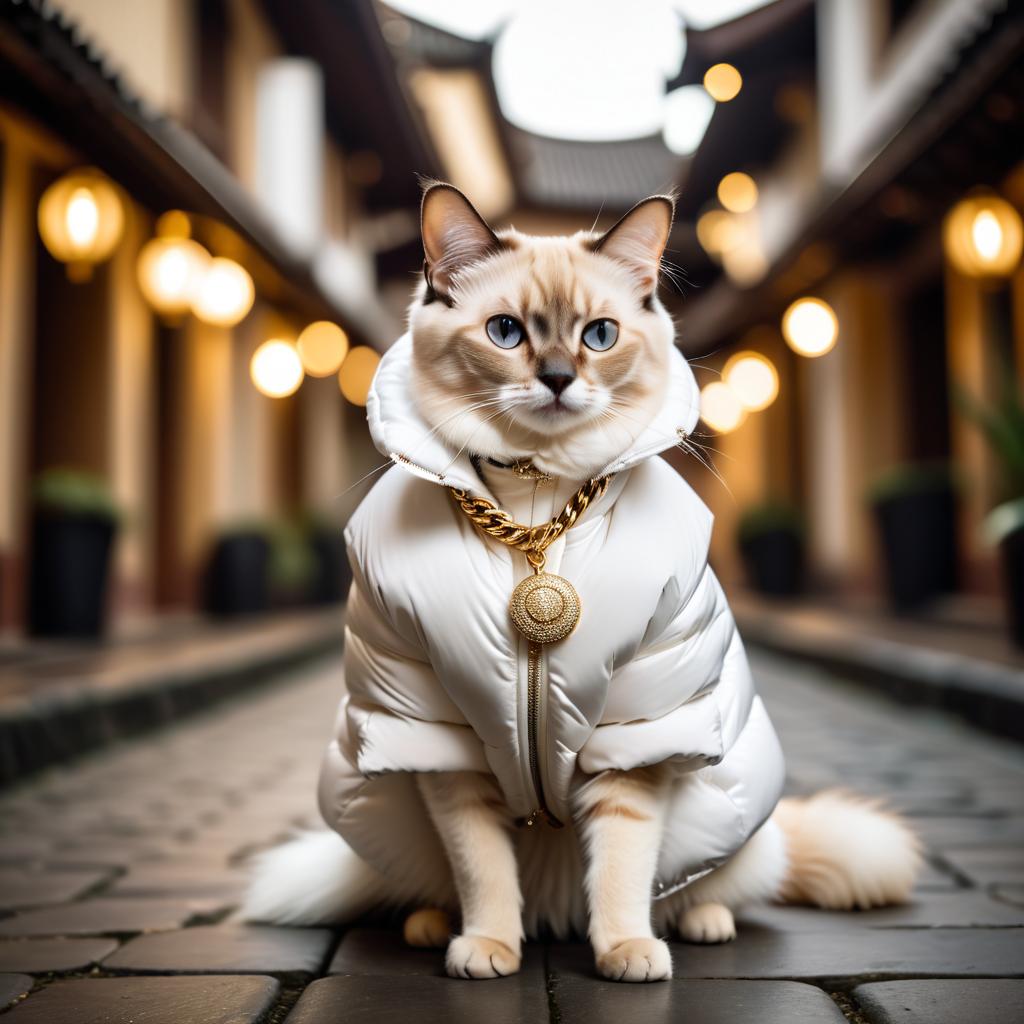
column 454, row 236
column 639, row 239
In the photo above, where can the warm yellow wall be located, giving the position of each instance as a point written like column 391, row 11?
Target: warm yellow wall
column 131, row 427
column 853, row 429
column 148, row 41
column 970, row 370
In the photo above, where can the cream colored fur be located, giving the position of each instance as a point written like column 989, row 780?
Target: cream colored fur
column 594, row 876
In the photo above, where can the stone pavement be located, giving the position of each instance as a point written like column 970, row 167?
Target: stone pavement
column 118, row 877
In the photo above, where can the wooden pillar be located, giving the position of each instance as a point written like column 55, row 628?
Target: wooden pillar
column 17, row 298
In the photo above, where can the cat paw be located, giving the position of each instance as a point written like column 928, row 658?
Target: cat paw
column 428, row 928
column 636, row 960
column 707, row 923
column 473, row 956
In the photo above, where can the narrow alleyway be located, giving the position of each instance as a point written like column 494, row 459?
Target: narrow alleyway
column 117, row 879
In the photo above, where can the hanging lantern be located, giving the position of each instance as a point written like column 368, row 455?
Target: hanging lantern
column 356, row 374
column 753, row 379
column 276, row 369
column 983, row 237
column 720, row 409
column 225, row 293
column 322, row 347
column 171, row 266
column 81, row 220
column 810, row 327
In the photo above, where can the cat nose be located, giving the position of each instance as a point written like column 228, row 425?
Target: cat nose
column 557, row 375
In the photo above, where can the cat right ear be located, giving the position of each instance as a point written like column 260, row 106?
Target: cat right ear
column 454, row 236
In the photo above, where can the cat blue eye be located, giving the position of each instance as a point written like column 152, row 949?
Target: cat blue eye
column 505, row 331
column 601, row 335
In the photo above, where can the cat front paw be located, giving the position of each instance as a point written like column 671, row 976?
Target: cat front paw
column 473, row 956
column 707, row 923
column 636, row 960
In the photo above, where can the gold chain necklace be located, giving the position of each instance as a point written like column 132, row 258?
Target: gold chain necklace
column 544, row 607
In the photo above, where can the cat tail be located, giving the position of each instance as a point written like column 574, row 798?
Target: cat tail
column 315, row 878
column 846, row 852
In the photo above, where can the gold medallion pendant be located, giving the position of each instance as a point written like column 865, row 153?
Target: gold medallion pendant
column 545, row 608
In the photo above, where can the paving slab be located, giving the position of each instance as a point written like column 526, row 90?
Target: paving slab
column 382, row 1000
column 108, row 917
column 589, row 1001
column 211, row 1000
column 13, row 986
column 382, row 951
column 988, row 865
column 172, row 879
column 989, row 1001
column 225, row 949
column 43, row 956
column 819, row 957
column 967, row 908
column 21, row 888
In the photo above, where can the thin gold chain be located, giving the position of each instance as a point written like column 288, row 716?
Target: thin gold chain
column 532, row 540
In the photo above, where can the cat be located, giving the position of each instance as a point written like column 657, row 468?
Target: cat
column 645, row 800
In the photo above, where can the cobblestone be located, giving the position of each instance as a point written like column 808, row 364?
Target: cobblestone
column 151, row 837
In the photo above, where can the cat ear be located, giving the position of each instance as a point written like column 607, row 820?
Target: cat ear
column 454, row 236
column 640, row 237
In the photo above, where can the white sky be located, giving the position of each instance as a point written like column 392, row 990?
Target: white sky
column 591, row 70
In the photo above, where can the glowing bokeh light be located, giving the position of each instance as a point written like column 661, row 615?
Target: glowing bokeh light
column 723, row 82
column 810, row 327
column 225, row 293
column 322, row 348
column 720, row 408
column 753, row 379
column 170, row 271
column 737, row 192
column 356, row 374
column 276, row 368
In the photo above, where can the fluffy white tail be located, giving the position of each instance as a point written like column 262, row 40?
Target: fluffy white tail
column 846, row 852
column 313, row 879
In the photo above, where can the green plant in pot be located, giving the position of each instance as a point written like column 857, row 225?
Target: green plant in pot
column 1002, row 423
column 915, row 512
column 74, row 523
column 771, row 542
column 292, row 563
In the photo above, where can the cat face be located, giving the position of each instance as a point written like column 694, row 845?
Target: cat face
column 552, row 349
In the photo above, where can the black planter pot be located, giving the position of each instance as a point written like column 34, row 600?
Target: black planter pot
column 70, row 566
column 774, row 561
column 918, row 535
column 1012, row 549
column 332, row 575
column 236, row 580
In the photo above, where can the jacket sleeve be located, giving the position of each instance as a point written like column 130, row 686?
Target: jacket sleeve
column 396, row 715
column 685, row 694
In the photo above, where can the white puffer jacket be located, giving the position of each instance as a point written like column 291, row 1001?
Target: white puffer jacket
column 437, row 674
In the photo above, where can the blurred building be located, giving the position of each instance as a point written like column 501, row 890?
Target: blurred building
column 281, row 130
column 817, row 148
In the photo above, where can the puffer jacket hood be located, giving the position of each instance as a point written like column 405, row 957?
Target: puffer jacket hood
column 437, row 675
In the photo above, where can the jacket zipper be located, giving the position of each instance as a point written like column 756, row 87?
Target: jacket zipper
column 534, row 738
column 534, row 708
